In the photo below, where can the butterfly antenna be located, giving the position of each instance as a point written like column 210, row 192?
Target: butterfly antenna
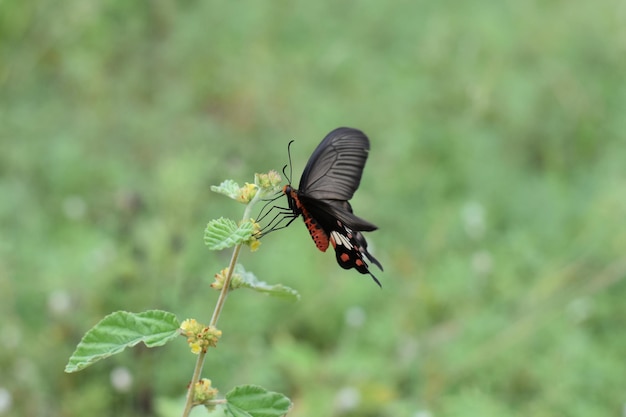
column 288, row 179
column 290, row 165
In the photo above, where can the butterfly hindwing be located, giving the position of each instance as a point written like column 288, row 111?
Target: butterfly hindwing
column 361, row 243
column 349, row 250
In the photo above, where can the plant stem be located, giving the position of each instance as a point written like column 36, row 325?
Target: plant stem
column 224, row 293
column 216, row 313
column 194, row 380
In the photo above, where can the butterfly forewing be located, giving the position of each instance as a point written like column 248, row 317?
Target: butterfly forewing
column 335, row 167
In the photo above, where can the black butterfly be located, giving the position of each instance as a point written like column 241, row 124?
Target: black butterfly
column 329, row 180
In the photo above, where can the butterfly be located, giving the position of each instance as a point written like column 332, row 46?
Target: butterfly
column 328, row 181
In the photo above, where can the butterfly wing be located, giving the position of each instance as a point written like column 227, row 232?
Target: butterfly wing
column 361, row 245
column 335, row 167
column 330, row 210
column 325, row 224
column 350, row 248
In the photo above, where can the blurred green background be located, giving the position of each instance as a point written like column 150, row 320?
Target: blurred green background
column 497, row 178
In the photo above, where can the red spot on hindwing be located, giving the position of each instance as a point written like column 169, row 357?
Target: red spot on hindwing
column 347, row 249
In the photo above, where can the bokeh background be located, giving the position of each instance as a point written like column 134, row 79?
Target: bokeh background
column 497, row 178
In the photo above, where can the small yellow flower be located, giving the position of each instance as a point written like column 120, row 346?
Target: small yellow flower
column 247, row 192
column 220, row 277
column 254, row 242
column 256, row 227
column 268, row 181
column 187, row 324
column 203, row 391
column 274, row 178
column 199, row 337
column 254, row 245
column 196, row 348
column 190, row 327
column 211, row 335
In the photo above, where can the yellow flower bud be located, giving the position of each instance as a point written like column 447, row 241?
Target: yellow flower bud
column 203, row 391
column 246, row 193
column 199, row 337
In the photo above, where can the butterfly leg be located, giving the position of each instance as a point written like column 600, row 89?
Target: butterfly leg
column 275, row 223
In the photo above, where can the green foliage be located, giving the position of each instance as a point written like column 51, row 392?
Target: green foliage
column 225, row 233
column 228, row 188
column 255, row 401
column 245, row 279
column 120, row 330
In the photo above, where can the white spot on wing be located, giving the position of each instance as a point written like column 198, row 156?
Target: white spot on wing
column 341, row 239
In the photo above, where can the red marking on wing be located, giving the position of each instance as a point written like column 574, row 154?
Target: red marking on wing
column 317, row 233
column 347, row 250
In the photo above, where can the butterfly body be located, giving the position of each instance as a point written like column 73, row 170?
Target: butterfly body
column 328, row 181
column 317, row 231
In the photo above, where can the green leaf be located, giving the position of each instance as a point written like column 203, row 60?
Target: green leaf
column 256, row 401
column 224, row 233
column 228, row 188
column 249, row 280
column 120, row 330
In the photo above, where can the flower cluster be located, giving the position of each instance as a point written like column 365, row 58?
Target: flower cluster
column 254, row 241
column 220, row 278
column 265, row 183
column 271, row 180
column 203, row 391
column 247, row 193
column 199, row 337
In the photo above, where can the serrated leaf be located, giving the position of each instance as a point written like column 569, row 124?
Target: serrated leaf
column 256, row 401
column 120, row 330
column 277, row 290
column 224, row 233
column 228, row 188
column 249, row 280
